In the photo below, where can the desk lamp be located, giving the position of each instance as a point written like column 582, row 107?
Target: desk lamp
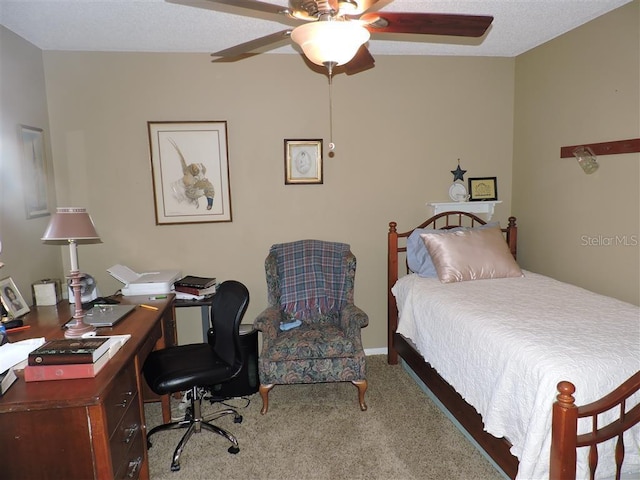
column 73, row 225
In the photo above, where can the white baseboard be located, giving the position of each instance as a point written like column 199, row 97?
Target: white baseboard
column 375, row 351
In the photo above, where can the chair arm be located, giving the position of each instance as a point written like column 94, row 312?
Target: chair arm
column 352, row 319
column 268, row 322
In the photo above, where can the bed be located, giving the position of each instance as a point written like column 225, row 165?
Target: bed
column 509, row 352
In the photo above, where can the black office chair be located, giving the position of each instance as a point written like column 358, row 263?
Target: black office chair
column 197, row 367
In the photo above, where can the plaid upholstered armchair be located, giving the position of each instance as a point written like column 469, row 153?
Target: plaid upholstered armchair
column 311, row 328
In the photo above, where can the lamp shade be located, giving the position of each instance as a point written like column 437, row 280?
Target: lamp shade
column 71, row 223
column 334, row 42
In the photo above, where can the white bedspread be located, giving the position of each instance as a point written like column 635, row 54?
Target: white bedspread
column 504, row 344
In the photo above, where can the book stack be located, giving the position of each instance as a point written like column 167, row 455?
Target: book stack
column 68, row 358
column 198, row 286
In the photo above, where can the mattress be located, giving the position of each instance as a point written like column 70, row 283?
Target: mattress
column 504, row 344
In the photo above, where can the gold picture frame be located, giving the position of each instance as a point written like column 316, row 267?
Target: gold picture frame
column 483, row 189
column 303, row 162
column 190, row 172
column 12, row 299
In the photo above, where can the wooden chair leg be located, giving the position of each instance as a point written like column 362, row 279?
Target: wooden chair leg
column 264, row 393
column 362, row 388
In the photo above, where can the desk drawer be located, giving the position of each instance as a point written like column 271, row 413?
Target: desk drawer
column 121, row 397
column 125, row 436
column 133, row 462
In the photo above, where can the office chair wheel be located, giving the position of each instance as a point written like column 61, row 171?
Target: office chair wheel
column 233, row 449
column 237, row 419
column 175, row 467
column 149, row 444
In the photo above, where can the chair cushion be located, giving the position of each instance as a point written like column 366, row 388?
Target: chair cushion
column 179, row 368
column 309, row 341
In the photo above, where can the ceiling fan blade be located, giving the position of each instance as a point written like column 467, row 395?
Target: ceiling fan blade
column 362, row 61
column 427, row 23
column 263, row 7
column 252, row 47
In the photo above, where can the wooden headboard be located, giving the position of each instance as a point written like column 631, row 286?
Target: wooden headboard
column 397, row 245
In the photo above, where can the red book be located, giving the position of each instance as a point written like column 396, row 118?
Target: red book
column 196, row 291
column 69, row 350
column 36, row 373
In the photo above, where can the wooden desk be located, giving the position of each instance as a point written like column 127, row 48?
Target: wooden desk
column 84, row 428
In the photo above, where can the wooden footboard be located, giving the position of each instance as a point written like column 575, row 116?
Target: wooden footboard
column 565, row 439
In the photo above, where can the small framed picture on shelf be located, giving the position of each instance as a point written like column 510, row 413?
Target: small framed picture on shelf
column 302, row 162
column 482, row 189
column 12, row 299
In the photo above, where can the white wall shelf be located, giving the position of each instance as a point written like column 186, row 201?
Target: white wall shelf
column 486, row 207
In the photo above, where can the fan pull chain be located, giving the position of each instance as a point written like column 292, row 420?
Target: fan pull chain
column 331, row 144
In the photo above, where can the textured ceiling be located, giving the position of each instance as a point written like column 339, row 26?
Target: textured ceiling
column 157, row 26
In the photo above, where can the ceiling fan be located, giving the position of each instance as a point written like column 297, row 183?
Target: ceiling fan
column 334, row 32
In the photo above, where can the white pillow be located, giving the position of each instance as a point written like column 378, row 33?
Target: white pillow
column 418, row 258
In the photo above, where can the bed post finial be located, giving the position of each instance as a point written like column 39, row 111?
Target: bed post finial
column 565, row 395
column 392, row 227
column 512, row 221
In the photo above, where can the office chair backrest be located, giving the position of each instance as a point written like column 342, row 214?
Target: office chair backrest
column 229, row 306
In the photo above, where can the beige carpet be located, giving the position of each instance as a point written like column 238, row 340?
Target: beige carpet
column 314, row 432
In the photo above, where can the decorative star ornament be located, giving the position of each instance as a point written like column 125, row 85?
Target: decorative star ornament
column 458, row 173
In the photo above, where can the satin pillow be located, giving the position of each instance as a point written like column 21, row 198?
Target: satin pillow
column 418, row 258
column 471, row 255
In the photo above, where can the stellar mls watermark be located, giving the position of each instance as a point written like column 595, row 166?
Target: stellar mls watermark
column 609, row 240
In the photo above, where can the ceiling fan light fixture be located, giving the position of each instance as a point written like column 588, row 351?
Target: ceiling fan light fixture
column 334, row 42
column 347, row 7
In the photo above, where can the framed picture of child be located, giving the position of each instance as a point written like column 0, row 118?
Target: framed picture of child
column 12, row 299
column 302, row 161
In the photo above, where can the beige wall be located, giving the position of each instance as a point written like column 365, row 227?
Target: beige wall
column 399, row 130
column 582, row 87
column 22, row 102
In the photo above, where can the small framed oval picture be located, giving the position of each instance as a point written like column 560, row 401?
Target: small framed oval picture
column 302, row 162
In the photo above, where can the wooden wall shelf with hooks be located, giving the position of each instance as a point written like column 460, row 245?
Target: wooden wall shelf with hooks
column 605, row 148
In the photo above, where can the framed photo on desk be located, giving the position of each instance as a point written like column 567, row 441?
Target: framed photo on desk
column 12, row 299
